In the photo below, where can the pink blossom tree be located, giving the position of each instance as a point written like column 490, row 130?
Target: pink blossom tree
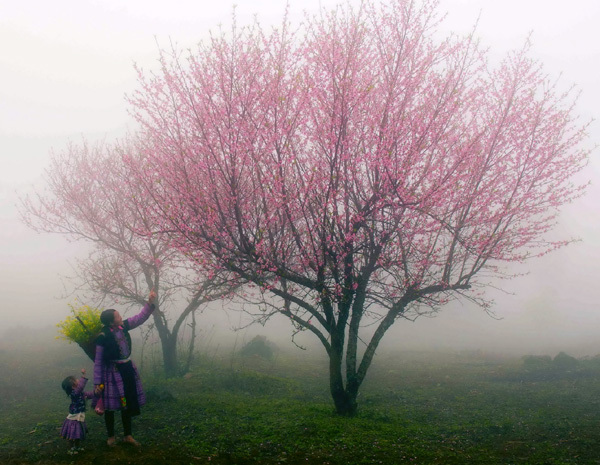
column 90, row 196
column 358, row 169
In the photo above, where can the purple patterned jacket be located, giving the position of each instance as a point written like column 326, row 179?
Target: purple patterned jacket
column 122, row 341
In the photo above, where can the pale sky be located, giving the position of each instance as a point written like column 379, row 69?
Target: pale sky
column 66, row 65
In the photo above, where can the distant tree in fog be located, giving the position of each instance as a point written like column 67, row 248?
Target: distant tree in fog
column 358, row 170
column 91, row 196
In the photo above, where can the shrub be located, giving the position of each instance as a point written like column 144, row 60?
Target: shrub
column 564, row 361
column 258, row 346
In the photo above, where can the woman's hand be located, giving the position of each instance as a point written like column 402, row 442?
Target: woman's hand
column 152, row 296
column 98, row 389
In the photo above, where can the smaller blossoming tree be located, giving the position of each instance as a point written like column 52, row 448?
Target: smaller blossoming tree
column 90, row 196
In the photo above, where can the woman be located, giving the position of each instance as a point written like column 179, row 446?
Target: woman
column 122, row 389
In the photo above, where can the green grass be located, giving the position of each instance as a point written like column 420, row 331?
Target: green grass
column 414, row 408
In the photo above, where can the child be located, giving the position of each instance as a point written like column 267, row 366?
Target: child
column 74, row 428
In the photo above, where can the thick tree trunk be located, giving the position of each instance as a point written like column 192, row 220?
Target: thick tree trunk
column 345, row 403
column 170, row 360
column 168, row 338
column 168, row 342
column 343, row 399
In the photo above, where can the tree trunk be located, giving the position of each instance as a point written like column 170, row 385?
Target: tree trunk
column 168, row 342
column 344, row 401
column 168, row 338
column 170, row 360
column 190, row 355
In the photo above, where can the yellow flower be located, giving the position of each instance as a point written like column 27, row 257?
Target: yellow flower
column 81, row 326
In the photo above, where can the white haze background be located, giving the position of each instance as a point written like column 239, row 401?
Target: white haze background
column 66, row 65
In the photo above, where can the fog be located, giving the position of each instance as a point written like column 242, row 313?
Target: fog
column 66, row 65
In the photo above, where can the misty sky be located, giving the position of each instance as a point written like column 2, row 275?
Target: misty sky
column 66, row 65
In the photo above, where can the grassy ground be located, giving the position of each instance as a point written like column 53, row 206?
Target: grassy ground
column 414, row 408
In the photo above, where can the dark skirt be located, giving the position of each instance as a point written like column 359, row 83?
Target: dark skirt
column 122, row 387
column 73, row 429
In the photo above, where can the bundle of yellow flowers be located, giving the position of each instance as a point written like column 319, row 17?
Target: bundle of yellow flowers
column 81, row 327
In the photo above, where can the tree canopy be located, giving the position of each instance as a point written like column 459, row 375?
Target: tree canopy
column 357, row 168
